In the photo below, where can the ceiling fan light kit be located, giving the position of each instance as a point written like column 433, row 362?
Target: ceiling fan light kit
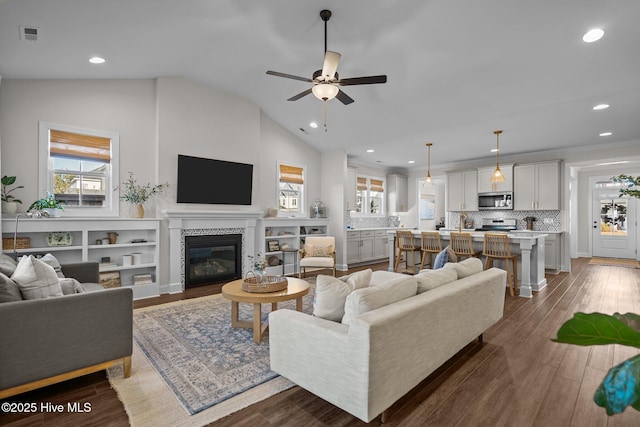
column 326, row 82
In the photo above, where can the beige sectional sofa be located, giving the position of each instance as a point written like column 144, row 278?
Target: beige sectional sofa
column 366, row 366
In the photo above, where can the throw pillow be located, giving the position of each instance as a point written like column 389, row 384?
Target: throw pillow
column 36, row 279
column 318, row 251
column 53, row 262
column 467, row 267
column 331, row 293
column 451, row 255
column 7, row 265
column 431, row 279
column 441, row 259
column 70, row 286
column 9, row 290
column 370, row 298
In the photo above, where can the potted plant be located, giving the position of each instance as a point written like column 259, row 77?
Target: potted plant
column 137, row 194
column 9, row 201
column 49, row 204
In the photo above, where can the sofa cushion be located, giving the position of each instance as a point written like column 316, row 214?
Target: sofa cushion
column 70, row 286
column 331, row 294
column 367, row 299
column 53, row 262
column 7, row 265
column 359, row 279
column 9, row 290
column 36, row 279
column 467, row 267
column 431, row 279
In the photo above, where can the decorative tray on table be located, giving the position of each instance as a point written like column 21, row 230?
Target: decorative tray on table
column 263, row 284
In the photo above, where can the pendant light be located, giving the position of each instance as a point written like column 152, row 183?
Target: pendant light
column 497, row 175
column 428, row 179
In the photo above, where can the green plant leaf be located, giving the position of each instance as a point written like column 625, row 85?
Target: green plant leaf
column 620, row 387
column 597, row 329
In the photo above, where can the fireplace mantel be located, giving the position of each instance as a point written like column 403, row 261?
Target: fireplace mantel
column 188, row 222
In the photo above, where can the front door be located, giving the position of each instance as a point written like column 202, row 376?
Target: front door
column 614, row 229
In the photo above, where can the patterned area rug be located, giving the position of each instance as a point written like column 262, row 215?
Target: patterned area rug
column 615, row 262
column 200, row 357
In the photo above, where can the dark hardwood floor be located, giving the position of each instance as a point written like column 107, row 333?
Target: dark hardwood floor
column 516, row 377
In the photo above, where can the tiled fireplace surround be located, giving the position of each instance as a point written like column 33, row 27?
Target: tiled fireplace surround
column 199, row 223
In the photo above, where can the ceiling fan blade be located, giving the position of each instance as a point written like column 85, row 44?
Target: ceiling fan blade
column 300, row 95
column 289, row 76
column 369, row 80
column 330, row 65
column 344, row 98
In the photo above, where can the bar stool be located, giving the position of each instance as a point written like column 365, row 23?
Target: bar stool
column 496, row 246
column 462, row 245
column 406, row 245
column 431, row 246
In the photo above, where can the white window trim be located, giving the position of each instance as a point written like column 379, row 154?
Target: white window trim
column 112, row 198
column 355, row 214
column 302, row 201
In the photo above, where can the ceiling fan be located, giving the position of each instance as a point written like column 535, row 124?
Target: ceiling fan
column 326, row 82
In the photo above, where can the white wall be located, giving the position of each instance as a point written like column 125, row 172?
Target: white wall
column 334, row 177
column 156, row 120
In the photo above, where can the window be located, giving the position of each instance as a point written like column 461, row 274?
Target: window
column 78, row 167
column 290, row 190
column 370, row 196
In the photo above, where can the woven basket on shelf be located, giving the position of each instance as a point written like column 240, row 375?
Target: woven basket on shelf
column 21, row 243
column 263, row 284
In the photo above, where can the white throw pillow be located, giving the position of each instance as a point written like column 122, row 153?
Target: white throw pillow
column 468, row 267
column 36, row 279
column 370, row 298
column 431, row 279
column 70, row 286
column 331, row 293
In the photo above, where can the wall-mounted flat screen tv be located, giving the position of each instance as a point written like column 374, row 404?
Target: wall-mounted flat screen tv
column 210, row 181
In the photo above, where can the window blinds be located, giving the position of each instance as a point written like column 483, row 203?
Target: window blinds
column 376, row 185
column 291, row 174
column 76, row 145
column 362, row 183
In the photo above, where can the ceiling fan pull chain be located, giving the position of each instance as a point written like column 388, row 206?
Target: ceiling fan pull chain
column 325, row 115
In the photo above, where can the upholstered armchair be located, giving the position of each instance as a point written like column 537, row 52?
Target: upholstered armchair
column 318, row 252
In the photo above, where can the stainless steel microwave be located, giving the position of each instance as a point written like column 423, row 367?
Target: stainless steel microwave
column 500, row 200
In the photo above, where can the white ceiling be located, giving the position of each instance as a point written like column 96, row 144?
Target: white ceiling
column 457, row 69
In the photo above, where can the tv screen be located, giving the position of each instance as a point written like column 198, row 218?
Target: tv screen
column 212, row 181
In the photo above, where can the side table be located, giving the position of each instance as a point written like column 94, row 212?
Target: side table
column 295, row 260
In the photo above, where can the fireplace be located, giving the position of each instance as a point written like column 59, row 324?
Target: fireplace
column 212, row 259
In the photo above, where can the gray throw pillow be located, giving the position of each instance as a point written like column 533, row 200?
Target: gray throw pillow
column 36, row 279
column 70, row 286
column 7, row 265
column 53, row 262
column 9, row 290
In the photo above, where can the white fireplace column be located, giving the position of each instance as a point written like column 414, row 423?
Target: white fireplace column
column 201, row 222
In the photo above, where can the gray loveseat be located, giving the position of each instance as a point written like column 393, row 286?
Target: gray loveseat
column 45, row 341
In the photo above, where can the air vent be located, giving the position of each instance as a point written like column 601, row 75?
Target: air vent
column 28, row 33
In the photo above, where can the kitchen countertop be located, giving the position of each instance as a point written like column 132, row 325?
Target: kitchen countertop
column 378, row 228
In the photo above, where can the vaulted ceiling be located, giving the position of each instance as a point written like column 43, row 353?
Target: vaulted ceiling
column 457, row 69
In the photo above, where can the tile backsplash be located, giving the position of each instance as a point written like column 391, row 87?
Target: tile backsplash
column 545, row 220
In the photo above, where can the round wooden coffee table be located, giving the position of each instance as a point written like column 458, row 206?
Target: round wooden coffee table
column 232, row 291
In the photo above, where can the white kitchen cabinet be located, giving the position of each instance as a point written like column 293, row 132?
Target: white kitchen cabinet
column 397, row 193
column 537, row 186
column 484, row 179
column 351, row 189
column 366, row 246
column 134, row 236
column 289, row 233
column 552, row 251
column 462, row 191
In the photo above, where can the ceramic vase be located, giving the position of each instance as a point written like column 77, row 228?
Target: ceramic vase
column 138, row 211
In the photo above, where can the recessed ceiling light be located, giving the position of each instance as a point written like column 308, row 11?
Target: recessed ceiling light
column 593, row 35
column 411, row 161
column 493, row 150
column 96, row 60
column 313, row 125
column 370, row 150
column 601, row 107
column 606, row 134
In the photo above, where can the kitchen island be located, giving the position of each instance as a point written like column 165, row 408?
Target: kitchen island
column 530, row 249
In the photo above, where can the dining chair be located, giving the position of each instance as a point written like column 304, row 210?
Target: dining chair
column 496, row 246
column 405, row 245
column 462, row 245
column 431, row 245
